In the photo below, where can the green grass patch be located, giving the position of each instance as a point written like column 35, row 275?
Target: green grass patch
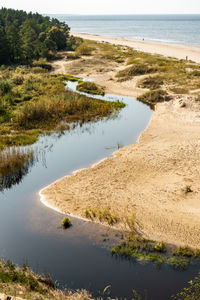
column 90, row 88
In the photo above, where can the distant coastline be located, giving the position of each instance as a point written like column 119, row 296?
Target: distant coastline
column 177, row 51
column 170, row 29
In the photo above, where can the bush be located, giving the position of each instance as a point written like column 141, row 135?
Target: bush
column 5, row 86
column 42, row 63
column 18, row 79
column 66, row 222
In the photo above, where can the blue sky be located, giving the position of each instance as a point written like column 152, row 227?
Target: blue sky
column 105, row 6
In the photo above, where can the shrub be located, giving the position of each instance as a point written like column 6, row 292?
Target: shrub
column 5, row 86
column 18, row 79
column 42, row 63
column 66, row 222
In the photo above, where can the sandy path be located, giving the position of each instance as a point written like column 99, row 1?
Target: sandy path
column 163, row 49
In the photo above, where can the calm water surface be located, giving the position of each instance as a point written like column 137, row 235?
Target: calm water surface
column 31, row 232
column 174, row 29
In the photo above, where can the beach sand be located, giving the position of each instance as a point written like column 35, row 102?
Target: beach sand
column 148, row 179
column 169, row 50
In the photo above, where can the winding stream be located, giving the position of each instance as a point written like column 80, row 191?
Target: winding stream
column 76, row 258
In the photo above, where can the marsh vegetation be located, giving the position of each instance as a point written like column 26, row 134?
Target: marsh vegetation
column 33, row 103
column 145, row 250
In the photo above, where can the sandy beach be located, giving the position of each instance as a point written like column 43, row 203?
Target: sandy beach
column 169, row 50
column 149, row 179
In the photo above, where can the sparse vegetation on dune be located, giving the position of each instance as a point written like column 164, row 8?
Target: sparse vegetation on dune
column 173, row 75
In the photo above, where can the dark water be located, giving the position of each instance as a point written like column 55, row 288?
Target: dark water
column 173, row 29
column 31, row 232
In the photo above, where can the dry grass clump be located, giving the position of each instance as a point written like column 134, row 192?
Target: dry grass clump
column 102, row 215
column 13, row 159
column 83, row 49
column 135, row 70
column 153, row 97
column 151, row 82
column 14, row 165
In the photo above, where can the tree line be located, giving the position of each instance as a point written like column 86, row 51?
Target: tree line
column 27, row 36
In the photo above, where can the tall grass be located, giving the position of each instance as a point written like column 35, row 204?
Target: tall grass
column 68, row 106
column 14, row 164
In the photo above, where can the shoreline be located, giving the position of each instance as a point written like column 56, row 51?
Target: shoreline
column 148, row 178
column 171, row 50
column 44, row 201
column 158, row 220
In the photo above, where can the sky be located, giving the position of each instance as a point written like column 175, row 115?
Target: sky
column 105, row 6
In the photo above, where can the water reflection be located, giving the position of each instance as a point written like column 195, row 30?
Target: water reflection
column 15, row 163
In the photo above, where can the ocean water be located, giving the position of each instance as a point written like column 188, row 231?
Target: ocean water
column 173, row 29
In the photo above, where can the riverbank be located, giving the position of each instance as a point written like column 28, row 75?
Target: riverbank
column 155, row 182
column 169, row 50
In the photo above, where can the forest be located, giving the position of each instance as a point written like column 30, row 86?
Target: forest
column 28, row 36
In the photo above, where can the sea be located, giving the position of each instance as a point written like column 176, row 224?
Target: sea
column 170, row 29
